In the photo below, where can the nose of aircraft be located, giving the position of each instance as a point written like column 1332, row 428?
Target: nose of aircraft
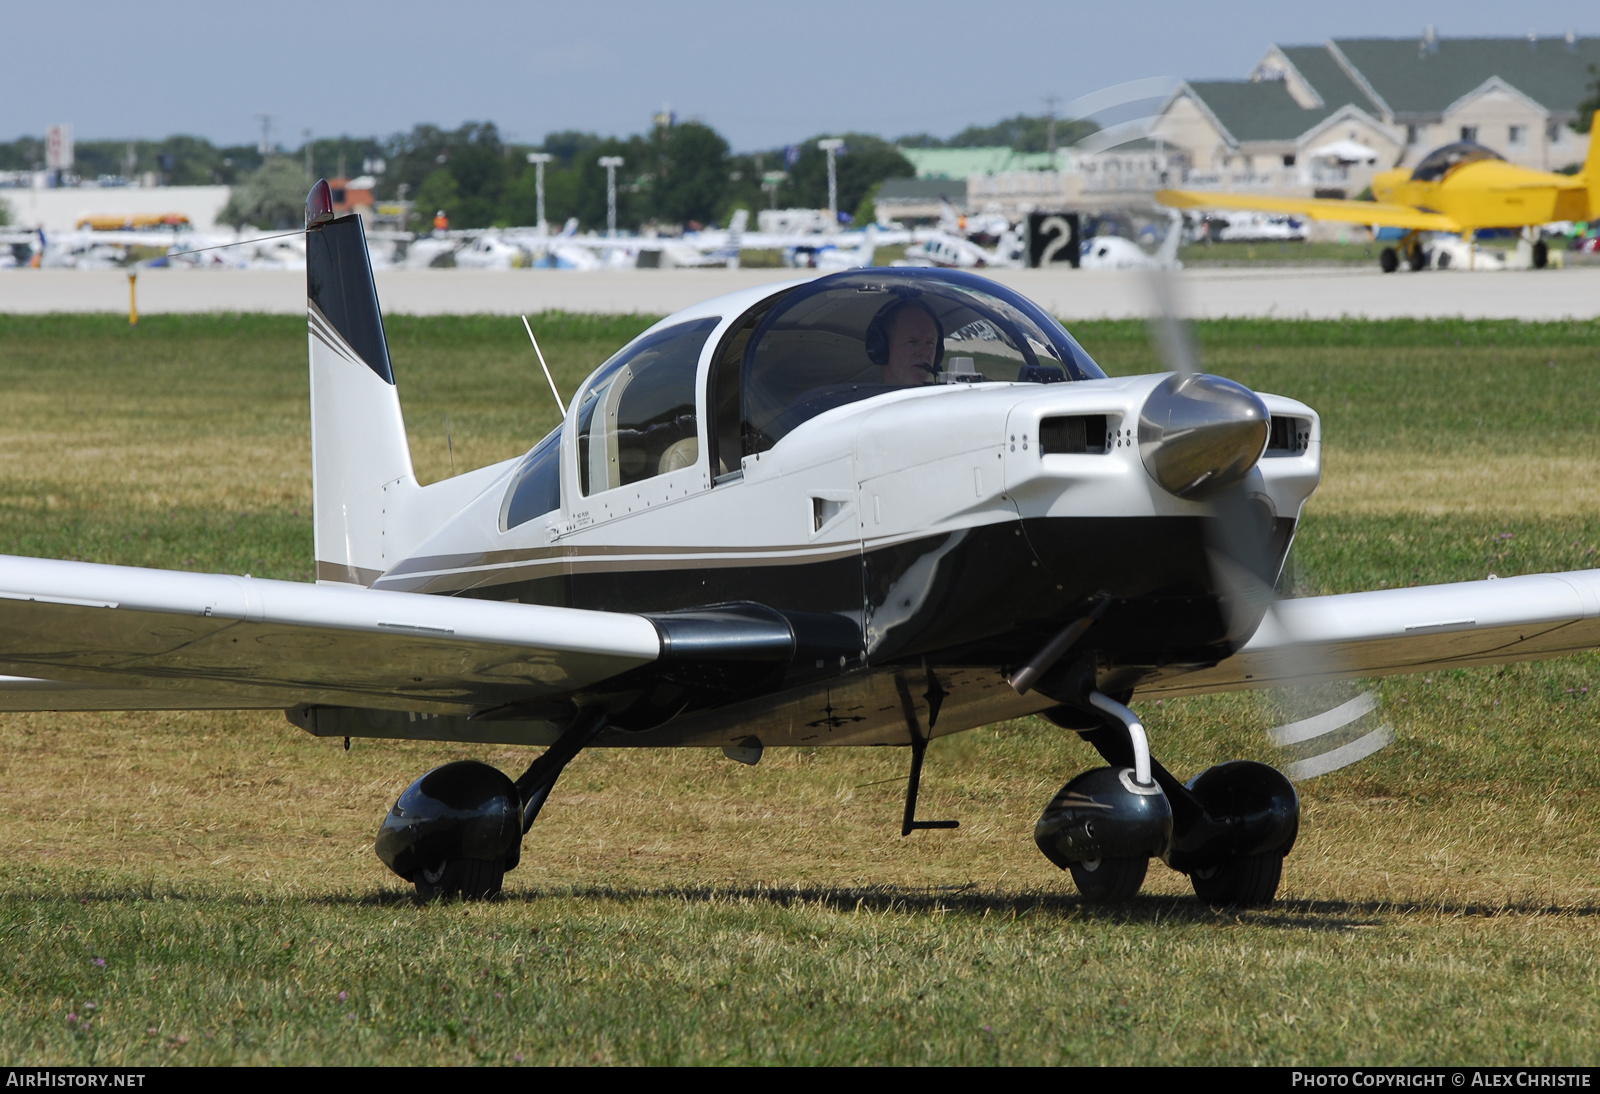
column 1199, row 434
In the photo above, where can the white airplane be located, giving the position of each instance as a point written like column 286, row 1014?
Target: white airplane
column 866, row 509
column 956, row 252
column 1246, row 226
column 18, row 248
column 1117, row 253
column 845, row 251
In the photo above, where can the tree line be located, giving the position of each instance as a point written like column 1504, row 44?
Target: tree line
column 678, row 173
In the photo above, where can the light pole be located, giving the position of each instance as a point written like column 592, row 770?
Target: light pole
column 611, row 163
column 831, row 146
column 539, row 159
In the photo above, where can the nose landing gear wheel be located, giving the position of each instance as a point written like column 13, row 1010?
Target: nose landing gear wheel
column 1250, row 881
column 469, row 878
column 1109, row 880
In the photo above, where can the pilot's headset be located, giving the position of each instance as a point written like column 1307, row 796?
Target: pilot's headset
column 877, row 336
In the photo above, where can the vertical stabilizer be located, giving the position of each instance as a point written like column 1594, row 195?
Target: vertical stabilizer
column 360, row 460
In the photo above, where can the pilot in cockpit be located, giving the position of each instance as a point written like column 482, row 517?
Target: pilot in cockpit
column 907, row 341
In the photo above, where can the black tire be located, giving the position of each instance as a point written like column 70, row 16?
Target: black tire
column 1416, row 257
column 1109, row 880
column 1389, row 260
column 468, row 878
column 1248, row 882
column 1541, row 255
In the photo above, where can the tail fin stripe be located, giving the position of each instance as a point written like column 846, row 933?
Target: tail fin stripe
column 323, row 332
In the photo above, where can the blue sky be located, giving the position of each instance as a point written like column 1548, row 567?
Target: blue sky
column 762, row 74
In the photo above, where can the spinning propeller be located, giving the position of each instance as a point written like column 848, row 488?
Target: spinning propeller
column 1199, row 437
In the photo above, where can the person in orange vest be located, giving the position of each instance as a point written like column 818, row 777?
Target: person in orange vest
column 441, row 223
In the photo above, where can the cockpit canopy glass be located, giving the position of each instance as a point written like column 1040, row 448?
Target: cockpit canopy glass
column 636, row 416
column 1441, row 161
column 859, row 334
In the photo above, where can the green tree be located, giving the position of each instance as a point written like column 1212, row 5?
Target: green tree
column 473, row 156
column 272, row 196
column 1023, row 132
column 439, row 191
column 864, row 162
column 1588, row 106
column 5, row 213
column 689, row 173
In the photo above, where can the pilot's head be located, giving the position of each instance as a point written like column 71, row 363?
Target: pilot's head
column 907, row 340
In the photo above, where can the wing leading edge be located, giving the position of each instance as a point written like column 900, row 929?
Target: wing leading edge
column 1378, row 213
column 1392, row 631
column 84, row 636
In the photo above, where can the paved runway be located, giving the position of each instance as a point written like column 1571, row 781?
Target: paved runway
column 1287, row 293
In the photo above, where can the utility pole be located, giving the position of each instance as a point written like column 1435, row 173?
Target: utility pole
column 266, row 135
column 306, row 135
column 611, row 163
column 831, row 146
column 539, row 159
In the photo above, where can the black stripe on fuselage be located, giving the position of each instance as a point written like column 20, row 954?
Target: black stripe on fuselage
column 989, row 596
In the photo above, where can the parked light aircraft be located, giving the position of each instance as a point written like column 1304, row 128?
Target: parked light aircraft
column 1116, row 253
column 1458, row 188
column 866, row 509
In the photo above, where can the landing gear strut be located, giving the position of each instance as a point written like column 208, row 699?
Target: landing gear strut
column 1229, row 828
column 459, row 828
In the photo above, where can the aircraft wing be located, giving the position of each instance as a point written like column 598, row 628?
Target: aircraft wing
column 1378, row 213
column 82, row 636
column 1392, row 631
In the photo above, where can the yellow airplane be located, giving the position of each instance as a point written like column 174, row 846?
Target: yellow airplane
column 1458, row 188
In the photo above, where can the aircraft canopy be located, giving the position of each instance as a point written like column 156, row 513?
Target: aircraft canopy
column 826, row 344
column 1441, row 161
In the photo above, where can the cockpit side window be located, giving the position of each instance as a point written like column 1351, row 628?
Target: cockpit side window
column 857, row 335
column 536, row 487
column 636, row 418
column 723, row 399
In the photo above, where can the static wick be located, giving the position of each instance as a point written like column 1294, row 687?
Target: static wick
column 544, row 366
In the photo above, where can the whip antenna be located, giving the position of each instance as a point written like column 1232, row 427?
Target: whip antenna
column 544, row 366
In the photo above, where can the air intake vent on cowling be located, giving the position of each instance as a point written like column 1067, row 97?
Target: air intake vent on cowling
column 1288, row 437
column 1077, row 433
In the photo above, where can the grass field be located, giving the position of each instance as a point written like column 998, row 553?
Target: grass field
column 200, row 888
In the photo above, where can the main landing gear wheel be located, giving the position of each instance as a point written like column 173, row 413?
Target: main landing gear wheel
column 1541, row 255
column 1389, row 260
column 1109, row 880
column 1416, row 257
column 469, row 878
column 1250, row 881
